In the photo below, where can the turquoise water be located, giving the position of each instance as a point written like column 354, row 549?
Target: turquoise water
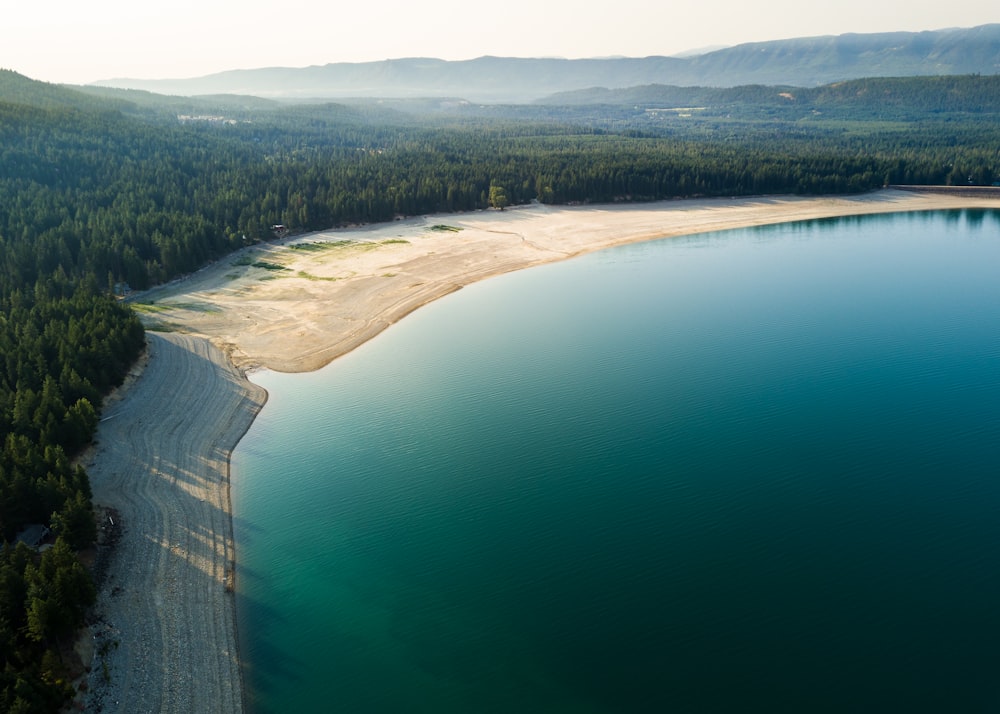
column 756, row 470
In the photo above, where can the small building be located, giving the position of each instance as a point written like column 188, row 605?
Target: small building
column 33, row 535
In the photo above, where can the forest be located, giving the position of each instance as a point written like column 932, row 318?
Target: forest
column 104, row 190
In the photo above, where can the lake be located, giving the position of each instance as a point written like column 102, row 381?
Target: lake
column 753, row 470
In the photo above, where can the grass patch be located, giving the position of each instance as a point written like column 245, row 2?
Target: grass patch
column 309, row 276
column 342, row 244
column 157, row 324
column 320, row 247
column 153, row 309
column 444, row 227
column 396, row 241
column 313, row 247
column 148, row 308
column 244, row 260
column 268, row 266
column 196, row 307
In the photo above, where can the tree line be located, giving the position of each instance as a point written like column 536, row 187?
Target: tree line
column 63, row 344
column 139, row 203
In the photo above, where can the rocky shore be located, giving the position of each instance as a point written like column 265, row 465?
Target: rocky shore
column 164, row 630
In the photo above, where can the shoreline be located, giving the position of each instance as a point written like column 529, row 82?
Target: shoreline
column 295, row 306
column 165, row 629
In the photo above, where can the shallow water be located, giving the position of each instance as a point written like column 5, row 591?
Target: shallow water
column 747, row 471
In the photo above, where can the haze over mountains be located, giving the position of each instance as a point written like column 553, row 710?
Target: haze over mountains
column 801, row 62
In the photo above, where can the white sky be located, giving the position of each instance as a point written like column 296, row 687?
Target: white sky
column 76, row 41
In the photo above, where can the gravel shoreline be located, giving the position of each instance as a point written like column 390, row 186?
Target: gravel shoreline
column 164, row 627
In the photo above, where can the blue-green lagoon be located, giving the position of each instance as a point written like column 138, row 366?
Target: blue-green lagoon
column 756, row 470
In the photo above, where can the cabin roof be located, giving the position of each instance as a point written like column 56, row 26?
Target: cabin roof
column 32, row 535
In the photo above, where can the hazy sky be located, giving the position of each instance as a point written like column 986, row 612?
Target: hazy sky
column 76, row 41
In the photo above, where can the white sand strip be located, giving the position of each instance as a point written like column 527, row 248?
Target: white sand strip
column 304, row 304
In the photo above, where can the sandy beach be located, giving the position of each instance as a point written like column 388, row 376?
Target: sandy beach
column 162, row 456
column 295, row 305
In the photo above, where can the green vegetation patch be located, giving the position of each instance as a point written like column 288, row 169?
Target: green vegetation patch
column 396, row 241
column 322, row 246
column 196, row 307
column 343, row 245
column 309, row 276
column 445, row 228
column 150, row 308
column 316, row 247
column 268, row 266
column 163, row 327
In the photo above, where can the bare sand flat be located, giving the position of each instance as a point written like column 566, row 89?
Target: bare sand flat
column 163, row 449
column 296, row 305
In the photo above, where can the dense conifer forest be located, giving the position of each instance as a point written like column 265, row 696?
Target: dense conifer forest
column 105, row 188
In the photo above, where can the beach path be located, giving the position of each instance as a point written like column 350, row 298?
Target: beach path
column 162, row 462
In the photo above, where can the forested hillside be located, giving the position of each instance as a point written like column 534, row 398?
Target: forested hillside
column 64, row 342
column 955, row 97
column 107, row 188
column 124, row 195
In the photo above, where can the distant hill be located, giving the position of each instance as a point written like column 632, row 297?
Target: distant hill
column 965, row 97
column 873, row 97
column 17, row 89
column 811, row 61
column 801, row 62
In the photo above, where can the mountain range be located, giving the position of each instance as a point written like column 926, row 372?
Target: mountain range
column 800, row 62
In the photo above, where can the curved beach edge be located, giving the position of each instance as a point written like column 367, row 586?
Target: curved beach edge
column 166, row 633
column 297, row 304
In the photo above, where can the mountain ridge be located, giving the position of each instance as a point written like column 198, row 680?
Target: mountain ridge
column 802, row 62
